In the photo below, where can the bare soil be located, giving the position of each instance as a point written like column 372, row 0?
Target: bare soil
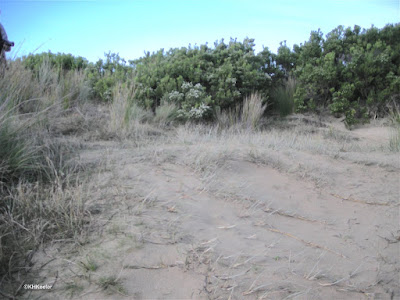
column 309, row 211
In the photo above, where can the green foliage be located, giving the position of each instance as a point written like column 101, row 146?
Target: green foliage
column 106, row 74
column 193, row 101
column 353, row 71
column 102, row 88
column 222, row 75
column 59, row 61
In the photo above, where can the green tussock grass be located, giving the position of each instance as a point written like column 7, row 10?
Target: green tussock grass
column 283, row 97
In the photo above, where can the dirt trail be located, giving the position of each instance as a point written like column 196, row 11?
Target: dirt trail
column 254, row 232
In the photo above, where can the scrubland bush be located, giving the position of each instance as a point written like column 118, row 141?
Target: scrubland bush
column 353, row 72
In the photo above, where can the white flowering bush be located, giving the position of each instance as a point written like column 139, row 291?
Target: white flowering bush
column 195, row 113
column 193, row 101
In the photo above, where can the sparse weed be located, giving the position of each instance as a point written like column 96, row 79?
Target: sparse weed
column 111, row 284
column 228, row 118
column 73, row 288
column 89, row 265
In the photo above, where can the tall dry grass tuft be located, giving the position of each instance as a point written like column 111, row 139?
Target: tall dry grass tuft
column 394, row 117
column 166, row 114
column 36, row 91
column 394, row 139
column 17, row 86
column 247, row 116
column 73, row 88
column 127, row 118
column 228, row 118
column 253, row 109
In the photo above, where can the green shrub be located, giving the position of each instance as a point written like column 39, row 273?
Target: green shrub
column 226, row 73
column 102, row 89
column 193, row 102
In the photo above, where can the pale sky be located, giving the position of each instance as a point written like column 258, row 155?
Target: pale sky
column 89, row 28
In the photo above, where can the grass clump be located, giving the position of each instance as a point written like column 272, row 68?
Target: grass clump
column 252, row 111
column 247, row 116
column 41, row 195
column 284, row 97
column 90, row 265
column 126, row 115
column 166, row 114
column 111, row 284
column 394, row 139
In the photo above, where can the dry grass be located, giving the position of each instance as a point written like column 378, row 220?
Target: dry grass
column 166, row 114
column 34, row 93
column 252, row 111
column 127, row 118
column 209, row 147
column 41, row 192
column 394, row 118
column 247, row 116
column 394, row 142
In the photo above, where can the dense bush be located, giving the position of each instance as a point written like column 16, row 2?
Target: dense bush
column 106, row 74
column 60, row 61
column 353, row 72
column 222, row 75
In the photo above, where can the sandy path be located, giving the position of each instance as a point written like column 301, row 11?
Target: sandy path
column 252, row 232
